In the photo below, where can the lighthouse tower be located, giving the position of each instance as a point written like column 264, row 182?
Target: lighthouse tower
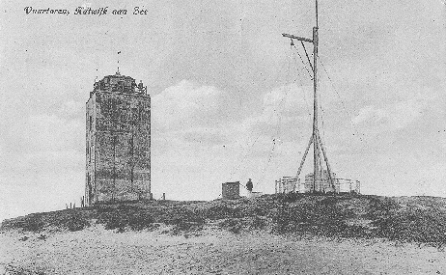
column 118, row 141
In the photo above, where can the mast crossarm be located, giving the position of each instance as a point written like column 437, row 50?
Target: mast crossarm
column 297, row 38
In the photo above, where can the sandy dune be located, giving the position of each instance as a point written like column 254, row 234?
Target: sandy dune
column 97, row 251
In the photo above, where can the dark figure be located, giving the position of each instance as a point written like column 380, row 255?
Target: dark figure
column 249, row 185
column 140, row 86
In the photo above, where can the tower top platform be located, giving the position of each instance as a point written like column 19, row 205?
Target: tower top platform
column 118, row 83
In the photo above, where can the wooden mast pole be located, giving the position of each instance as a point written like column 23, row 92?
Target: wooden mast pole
column 315, row 137
column 316, row 159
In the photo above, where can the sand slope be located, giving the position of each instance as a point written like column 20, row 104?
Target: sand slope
column 98, row 251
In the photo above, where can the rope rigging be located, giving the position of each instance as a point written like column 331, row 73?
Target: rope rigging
column 321, row 115
column 303, row 91
column 298, row 72
column 277, row 134
column 342, row 102
column 251, row 146
column 278, row 125
column 301, row 59
column 308, row 58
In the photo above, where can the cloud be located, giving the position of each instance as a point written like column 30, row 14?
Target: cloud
column 283, row 108
column 70, row 109
column 393, row 116
column 207, row 136
column 45, row 133
column 370, row 113
column 42, row 144
column 288, row 98
column 199, row 113
column 42, row 162
column 186, row 105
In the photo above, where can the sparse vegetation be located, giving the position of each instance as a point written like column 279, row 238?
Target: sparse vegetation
column 75, row 222
column 418, row 219
column 32, row 223
column 17, row 270
column 24, row 238
column 42, row 237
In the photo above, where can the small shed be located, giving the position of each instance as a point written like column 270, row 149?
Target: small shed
column 230, row 190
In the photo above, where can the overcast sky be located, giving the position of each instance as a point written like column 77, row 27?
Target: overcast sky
column 230, row 96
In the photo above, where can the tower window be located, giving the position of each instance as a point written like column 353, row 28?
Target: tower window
column 91, row 123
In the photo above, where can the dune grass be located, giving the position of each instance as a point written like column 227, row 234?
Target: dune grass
column 406, row 219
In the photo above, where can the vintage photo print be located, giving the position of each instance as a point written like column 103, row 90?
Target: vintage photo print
column 222, row 137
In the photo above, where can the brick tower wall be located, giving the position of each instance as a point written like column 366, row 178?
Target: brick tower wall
column 118, row 142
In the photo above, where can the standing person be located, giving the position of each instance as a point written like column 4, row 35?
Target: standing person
column 249, row 185
column 140, row 86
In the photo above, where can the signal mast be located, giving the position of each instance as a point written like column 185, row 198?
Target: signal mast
column 315, row 138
